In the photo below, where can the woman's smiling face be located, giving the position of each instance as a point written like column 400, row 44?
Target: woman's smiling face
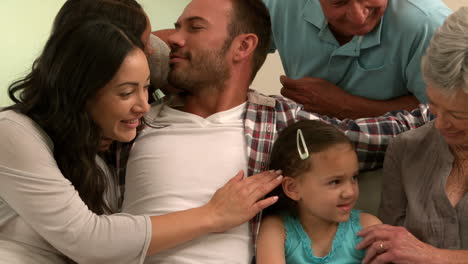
column 118, row 107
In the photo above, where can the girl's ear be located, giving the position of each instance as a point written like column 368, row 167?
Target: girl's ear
column 290, row 188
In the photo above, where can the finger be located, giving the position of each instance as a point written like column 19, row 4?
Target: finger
column 285, row 80
column 366, row 230
column 372, row 234
column 382, row 258
column 368, row 240
column 263, row 189
column 262, row 204
column 373, row 251
column 285, row 91
column 292, row 85
column 290, row 93
column 239, row 176
column 252, row 183
column 264, row 177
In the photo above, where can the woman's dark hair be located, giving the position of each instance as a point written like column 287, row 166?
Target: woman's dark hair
column 318, row 137
column 124, row 13
column 78, row 60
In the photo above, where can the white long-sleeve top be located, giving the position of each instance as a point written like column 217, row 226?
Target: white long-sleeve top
column 42, row 217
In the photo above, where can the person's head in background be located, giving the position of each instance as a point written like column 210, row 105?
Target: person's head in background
column 445, row 72
column 209, row 38
column 320, row 167
column 88, row 86
column 349, row 18
column 124, row 13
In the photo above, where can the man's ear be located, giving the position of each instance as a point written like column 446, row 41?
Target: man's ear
column 244, row 45
column 290, row 188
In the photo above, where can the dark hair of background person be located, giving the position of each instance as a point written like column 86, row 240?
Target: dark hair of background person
column 78, row 60
column 251, row 16
column 123, row 13
column 318, row 137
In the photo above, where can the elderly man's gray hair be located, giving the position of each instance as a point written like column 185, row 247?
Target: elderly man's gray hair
column 445, row 64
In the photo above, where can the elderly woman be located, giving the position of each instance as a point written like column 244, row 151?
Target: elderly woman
column 425, row 182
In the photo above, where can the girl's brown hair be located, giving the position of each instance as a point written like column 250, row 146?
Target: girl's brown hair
column 318, row 136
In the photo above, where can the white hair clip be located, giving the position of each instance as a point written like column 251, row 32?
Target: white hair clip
column 302, row 154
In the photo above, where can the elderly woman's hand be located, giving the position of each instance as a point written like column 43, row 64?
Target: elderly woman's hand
column 392, row 244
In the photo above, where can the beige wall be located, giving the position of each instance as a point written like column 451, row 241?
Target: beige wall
column 455, row 4
column 267, row 80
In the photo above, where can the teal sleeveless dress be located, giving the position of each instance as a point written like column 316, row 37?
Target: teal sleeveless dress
column 298, row 247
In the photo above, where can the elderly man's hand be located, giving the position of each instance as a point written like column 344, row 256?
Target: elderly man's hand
column 392, row 244
column 317, row 95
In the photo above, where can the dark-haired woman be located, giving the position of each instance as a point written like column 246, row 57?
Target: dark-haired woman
column 87, row 88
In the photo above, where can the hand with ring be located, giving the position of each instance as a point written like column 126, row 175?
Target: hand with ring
column 392, row 244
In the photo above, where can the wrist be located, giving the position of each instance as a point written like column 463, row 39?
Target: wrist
column 208, row 219
column 436, row 256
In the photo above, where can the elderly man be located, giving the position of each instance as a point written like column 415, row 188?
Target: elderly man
column 354, row 58
column 217, row 126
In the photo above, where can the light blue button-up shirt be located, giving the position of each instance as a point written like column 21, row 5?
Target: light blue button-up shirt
column 383, row 64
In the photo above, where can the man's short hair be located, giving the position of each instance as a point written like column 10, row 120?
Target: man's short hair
column 252, row 16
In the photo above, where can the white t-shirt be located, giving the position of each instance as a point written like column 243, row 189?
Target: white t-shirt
column 180, row 167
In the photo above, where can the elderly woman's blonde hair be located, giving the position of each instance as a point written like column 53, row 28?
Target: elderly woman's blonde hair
column 445, row 64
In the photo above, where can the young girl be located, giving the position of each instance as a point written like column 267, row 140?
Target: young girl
column 313, row 220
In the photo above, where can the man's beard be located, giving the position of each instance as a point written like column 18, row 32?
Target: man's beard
column 205, row 70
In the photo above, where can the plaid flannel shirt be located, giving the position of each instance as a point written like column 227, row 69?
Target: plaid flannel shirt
column 266, row 116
